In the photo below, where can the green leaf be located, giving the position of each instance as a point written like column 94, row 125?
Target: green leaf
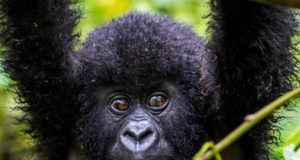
column 294, row 139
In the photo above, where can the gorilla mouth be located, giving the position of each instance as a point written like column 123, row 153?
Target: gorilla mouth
column 149, row 149
column 140, row 156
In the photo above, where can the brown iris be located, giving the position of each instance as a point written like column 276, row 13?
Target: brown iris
column 157, row 101
column 120, row 104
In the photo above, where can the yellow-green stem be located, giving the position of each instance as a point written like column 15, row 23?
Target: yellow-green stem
column 250, row 121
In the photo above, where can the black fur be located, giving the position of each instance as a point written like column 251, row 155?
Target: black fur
column 247, row 63
column 253, row 46
column 38, row 36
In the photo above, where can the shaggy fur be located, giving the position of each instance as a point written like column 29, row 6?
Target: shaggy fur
column 246, row 64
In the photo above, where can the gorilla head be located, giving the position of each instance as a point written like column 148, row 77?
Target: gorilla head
column 143, row 78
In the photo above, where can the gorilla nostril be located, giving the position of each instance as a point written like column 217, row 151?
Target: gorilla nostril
column 146, row 134
column 129, row 135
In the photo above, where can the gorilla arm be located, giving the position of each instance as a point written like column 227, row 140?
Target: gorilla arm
column 252, row 43
column 38, row 38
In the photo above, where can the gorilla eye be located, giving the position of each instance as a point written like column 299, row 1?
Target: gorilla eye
column 157, row 101
column 120, row 104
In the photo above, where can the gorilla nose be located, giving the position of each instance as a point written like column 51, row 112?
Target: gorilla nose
column 138, row 136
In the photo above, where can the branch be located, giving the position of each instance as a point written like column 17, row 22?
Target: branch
column 287, row 3
column 250, row 121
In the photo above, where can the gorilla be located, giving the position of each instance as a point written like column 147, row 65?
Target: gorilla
column 144, row 87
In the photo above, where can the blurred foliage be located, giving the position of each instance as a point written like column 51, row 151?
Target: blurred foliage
column 15, row 145
column 190, row 12
column 289, row 134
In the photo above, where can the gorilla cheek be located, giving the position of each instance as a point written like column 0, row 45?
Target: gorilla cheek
column 95, row 145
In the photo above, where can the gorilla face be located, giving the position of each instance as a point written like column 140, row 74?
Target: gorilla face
column 134, row 124
column 138, row 117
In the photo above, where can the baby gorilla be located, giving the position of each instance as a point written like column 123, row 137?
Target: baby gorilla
column 144, row 87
